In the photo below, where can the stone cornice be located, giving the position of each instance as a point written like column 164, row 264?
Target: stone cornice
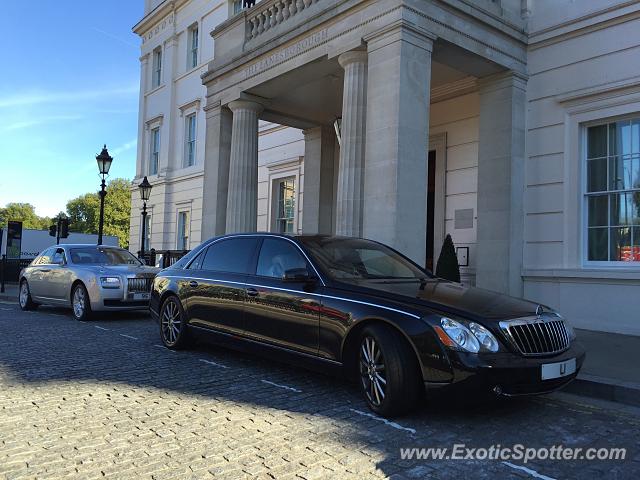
column 453, row 89
column 156, row 15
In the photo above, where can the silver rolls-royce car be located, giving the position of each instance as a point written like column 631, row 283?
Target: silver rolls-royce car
column 87, row 278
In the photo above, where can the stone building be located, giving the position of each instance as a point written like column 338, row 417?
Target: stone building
column 513, row 125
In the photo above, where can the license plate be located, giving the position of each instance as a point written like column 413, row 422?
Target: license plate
column 558, row 370
column 141, row 296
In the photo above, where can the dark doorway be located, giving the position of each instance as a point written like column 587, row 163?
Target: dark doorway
column 431, row 198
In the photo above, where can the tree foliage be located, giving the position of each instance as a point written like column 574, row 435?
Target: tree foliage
column 25, row 213
column 84, row 211
column 448, row 267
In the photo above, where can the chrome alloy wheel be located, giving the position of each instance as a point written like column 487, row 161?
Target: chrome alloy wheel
column 24, row 294
column 171, row 322
column 79, row 299
column 372, row 371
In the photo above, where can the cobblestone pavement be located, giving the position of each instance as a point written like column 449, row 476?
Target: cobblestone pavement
column 104, row 399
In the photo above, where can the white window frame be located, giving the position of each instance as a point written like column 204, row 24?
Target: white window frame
column 154, row 155
column 193, row 45
column 188, row 141
column 585, row 195
column 156, row 67
column 187, row 232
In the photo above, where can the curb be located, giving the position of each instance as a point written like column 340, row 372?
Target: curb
column 602, row 388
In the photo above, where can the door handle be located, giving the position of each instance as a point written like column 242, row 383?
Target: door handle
column 193, row 283
column 252, row 292
column 45, row 270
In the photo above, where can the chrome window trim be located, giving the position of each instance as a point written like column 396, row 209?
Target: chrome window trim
column 298, row 291
column 261, row 235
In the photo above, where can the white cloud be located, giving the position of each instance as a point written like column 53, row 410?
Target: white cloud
column 40, row 121
column 36, row 98
column 124, row 147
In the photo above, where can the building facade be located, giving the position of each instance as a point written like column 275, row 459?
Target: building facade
column 512, row 125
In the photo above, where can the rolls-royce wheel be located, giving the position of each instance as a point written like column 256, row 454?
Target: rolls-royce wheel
column 80, row 303
column 389, row 373
column 173, row 326
column 24, row 297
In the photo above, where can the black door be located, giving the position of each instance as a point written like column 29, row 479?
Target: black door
column 431, row 198
column 279, row 312
column 215, row 289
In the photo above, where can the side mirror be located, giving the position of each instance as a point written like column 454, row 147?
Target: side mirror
column 297, row 275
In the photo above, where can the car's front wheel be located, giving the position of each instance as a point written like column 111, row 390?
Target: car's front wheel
column 80, row 303
column 173, row 325
column 388, row 371
column 24, row 297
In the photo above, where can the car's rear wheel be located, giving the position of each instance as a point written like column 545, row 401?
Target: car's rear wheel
column 24, row 297
column 80, row 303
column 388, row 371
column 173, row 325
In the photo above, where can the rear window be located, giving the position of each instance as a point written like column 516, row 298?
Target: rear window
column 230, row 256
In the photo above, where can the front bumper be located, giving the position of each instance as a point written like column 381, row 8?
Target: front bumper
column 509, row 374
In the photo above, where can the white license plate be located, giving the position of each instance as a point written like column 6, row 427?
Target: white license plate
column 558, row 370
column 141, row 296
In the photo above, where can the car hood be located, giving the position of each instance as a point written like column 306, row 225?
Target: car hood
column 451, row 298
column 123, row 269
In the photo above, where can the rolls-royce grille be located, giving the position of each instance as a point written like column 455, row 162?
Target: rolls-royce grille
column 538, row 337
column 140, row 285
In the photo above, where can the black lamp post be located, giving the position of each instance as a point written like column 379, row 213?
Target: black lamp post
column 145, row 193
column 104, row 164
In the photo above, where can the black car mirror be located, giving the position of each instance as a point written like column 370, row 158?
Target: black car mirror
column 297, row 275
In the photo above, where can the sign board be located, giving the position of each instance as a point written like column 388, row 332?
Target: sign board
column 14, row 239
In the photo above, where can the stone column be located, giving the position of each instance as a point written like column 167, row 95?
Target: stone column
column 350, row 170
column 142, row 115
column 216, row 170
column 398, row 97
column 501, row 153
column 242, row 196
column 319, row 145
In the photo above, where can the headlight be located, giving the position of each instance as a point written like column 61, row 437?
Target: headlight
column 110, row 282
column 487, row 340
column 470, row 337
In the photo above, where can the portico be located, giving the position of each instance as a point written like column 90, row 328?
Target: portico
column 375, row 65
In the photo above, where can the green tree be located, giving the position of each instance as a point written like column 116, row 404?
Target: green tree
column 448, row 267
column 84, row 211
column 25, row 213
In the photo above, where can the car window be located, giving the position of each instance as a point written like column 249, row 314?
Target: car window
column 58, row 256
column 46, row 257
column 277, row 256
column 197, row 262
column 231, row 256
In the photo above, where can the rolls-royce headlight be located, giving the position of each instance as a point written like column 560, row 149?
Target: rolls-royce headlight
column 461, row 336
column 487, row 341
column 110, row 282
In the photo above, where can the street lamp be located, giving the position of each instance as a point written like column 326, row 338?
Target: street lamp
column 145, row 193
column 104, row 164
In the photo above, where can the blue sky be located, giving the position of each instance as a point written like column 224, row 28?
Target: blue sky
column 69, row 83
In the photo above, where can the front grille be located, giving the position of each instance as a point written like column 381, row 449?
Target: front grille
column 537, row 336
column 140, row 285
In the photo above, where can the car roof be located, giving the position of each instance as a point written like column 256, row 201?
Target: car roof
column 85, row 245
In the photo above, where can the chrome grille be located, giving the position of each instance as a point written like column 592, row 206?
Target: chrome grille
column 537, row 335
column 140, row 285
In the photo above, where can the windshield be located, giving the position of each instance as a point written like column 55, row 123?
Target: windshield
column 357, row 259
column 102, row 256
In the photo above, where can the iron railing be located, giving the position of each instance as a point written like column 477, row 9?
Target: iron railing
column 10, row 270
column 162, row 258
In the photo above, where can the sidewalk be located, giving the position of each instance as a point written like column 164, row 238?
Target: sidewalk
column 611, row 370
column 10, row 293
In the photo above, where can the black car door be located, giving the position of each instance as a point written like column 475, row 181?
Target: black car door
column 277, row 311
column 215, row 292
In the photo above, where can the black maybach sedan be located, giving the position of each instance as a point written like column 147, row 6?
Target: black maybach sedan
column 362, row 307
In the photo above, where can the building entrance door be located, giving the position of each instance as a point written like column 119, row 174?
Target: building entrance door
column 431, row 198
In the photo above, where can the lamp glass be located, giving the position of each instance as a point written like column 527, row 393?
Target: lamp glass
column 145, row 189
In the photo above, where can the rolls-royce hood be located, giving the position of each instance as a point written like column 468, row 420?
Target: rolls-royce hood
column 448, row 297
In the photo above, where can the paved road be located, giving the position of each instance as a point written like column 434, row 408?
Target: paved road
column 104, row 399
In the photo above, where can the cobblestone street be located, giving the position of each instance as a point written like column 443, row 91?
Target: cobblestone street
column 105, row 399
